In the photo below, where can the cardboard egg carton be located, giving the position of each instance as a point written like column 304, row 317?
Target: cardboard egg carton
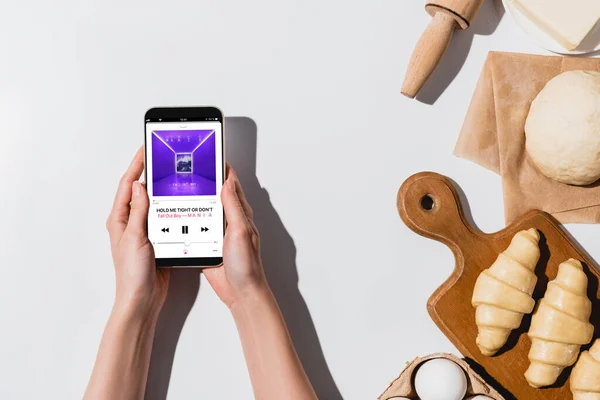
column 403, row 385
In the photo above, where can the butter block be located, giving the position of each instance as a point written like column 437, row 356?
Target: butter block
column 566, row 21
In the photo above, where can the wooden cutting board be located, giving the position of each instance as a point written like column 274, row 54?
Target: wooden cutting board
column 429, row 204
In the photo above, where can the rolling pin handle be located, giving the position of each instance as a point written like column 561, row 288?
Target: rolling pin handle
column 428, row 52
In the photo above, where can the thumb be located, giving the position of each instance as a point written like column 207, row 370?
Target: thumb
column 138, row 216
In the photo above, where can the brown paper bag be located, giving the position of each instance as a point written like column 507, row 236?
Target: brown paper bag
column 493, row 136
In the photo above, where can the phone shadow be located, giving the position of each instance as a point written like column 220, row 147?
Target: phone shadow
column 279, row 259
column 279, row 256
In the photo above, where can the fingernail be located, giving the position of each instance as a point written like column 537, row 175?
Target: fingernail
column 231, row 184
column 136, row 189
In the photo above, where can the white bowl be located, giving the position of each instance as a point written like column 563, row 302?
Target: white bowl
column 590, row 44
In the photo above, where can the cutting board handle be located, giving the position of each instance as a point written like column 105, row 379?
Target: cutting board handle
column 429, row 205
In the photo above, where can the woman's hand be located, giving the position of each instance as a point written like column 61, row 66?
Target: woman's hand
column 121, row 368
column 141, row 287
column 274, row 367
column 242, row 272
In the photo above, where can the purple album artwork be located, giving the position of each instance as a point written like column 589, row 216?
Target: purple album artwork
column 184, row 163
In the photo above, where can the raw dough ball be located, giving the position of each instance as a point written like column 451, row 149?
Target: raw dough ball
column 440, row 379
column 563, row 128
column 479, row 397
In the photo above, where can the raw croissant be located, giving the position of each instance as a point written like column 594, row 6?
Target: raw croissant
column 585, row 377
column 502, row 293
column 560, row 325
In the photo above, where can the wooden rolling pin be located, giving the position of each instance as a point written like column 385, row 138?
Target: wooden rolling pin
column 447, row 15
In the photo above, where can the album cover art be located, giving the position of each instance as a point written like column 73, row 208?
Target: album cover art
column 184, row 163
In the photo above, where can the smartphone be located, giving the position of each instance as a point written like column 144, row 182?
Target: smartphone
column 184, row 174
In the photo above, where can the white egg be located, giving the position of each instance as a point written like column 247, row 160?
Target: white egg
column 440, row 379
column 479, row 397
column 399, row 398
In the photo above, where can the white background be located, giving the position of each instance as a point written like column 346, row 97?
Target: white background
column 325, row 141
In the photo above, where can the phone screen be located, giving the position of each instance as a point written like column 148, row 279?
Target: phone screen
column 184, row 177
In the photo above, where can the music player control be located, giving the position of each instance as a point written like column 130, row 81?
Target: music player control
column 184, row 180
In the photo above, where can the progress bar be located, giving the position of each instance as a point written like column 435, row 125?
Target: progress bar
column 182, row 242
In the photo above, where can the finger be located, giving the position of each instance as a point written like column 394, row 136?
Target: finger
column 240, row 193
column 232, row 175
column 234, row 212
column 245, row 206
column 138, row 216
column 119, row 215
column 242, row 197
